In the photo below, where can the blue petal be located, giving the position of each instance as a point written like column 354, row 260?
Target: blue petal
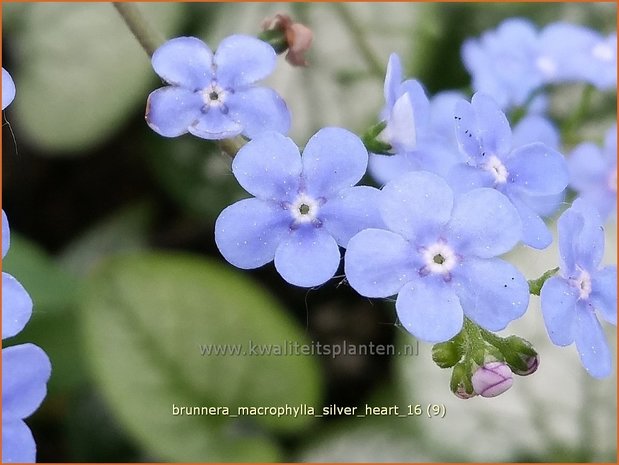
column 587, row 240
column 492, row 125
column 536, row 169
column 248, row 232
column 269, row 167
column 393, row 79
column 171, row 110
column 6, row 234
column 463, row 178
column 215, row 125
column 185, row 62
column 484, row 223
column 416, row 203
column 25, row 372
column 378, row 263
column 333, row 159
column 442, row 108
column 308, row 257
column 18, row 445
column 466, row 129
column 16, row 306
column 400, row 130
column 604, row 293
column 242, row 60
column 558, row 299
column 8, row 89
column 492, row 292
column 258, row 109
column 352, row 210
column 591, row 343
column 429, row 310
column 535, row 233
column 535, row 128
column 587, row 167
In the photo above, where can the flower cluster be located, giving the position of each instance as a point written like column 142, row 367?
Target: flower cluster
column 460, row 189
column 593, row 173
column 515, row 60
column 25, row 367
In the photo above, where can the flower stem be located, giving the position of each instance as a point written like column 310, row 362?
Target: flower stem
column 535, row 285
column 231, row 146
column 148, row 37
column 570, row 126
column 375, row 65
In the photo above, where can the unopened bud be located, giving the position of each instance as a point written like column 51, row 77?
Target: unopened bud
column 298, row 37
column 460, row 383
column 520, row 356
column 492, row 379
column 447, row 354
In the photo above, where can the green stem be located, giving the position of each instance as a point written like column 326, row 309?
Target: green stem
column 231, row 146
column 570, row 126
column 535, row 285
column 148, row 37
column 375, row 65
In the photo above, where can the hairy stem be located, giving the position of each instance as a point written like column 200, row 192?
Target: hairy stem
column 148, row 37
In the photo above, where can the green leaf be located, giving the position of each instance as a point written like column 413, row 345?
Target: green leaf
column 81, row 73
column 125, row 230
column 49, row 286
column 144, row 319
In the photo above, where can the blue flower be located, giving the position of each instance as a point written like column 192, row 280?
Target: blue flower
column 215, row 96
column 304, row 206
column 8, row 89
column 577, row 53
column 438, row 256
column 505, row 63
column 25, row 369
column 409, row 130
column 526, row 174
column 571, row 300
column 593, row 173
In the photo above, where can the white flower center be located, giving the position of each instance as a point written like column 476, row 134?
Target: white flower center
column 497, row 169
column 603, row 52
column 547, row 66
column 304, row 209
column 439, row 258
column 583, row 284
column 214, row 95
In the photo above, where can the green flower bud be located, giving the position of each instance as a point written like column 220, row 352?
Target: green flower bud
column 460, row 383
column 447, row 354
column 520, row 356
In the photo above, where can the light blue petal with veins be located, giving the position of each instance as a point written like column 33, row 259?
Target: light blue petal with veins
column 16, row 306
column 171, row 110
column 8, row 89
column 307, row 257
column 18, row 445
column 591, row 343
column 258, row 109
column 429, row 310
column 603, row 295
column 484, row 224
column 248, row 232
column 559, row 299
column 416, row 203
column 185, row 62
column 269, row 167
column 492, row 292
column 333, row 159
column 378, row 263
column 243, row 60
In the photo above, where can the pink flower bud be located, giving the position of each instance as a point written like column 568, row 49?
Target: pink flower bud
column 298, row 36
column 492, row 379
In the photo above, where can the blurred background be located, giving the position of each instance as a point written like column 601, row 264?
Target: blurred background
column 112, row 235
